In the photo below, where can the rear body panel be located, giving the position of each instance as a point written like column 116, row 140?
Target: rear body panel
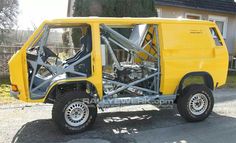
column 187, row 48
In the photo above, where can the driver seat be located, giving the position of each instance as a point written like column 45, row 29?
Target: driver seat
column 86, row 41
column 85, row 65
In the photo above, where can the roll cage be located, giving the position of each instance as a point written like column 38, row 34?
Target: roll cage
column 142, row 65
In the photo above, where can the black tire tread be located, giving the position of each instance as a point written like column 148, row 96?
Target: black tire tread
column 182, row 102
column 59, row 103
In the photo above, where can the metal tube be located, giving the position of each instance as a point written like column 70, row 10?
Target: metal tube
column 158, row 60
column 135, row 100
column 136, row 87
column 111, row 52
column 128, row 44
column 113, row 41
column 131, row 84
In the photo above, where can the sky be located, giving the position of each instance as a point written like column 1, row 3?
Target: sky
column 33, row 12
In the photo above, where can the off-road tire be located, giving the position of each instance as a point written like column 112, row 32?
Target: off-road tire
column 60, row 105
column 183, row 102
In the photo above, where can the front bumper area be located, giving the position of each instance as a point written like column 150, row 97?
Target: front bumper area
column 15, row 94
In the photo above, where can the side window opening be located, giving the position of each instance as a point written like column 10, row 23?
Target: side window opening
column 60, row 53
column 132, row 58
column 216, row 37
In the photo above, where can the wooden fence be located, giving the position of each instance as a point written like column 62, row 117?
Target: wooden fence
column 5, row 54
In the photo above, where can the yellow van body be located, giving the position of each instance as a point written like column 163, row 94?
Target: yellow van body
column 186, row 46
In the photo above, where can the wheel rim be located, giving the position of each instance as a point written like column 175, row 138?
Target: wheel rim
column 76, row 113
column 198, row 104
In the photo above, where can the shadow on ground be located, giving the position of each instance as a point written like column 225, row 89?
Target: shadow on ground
column 111, row 127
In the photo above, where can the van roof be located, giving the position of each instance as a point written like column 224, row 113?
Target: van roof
column 124, row 20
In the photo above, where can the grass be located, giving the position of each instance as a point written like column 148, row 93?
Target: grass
column 5, row 91
column 4, row 87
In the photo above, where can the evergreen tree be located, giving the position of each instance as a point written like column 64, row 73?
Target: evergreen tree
column 114, row 8
column 111, row 8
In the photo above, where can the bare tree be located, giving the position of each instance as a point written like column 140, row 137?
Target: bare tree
column 8, row 16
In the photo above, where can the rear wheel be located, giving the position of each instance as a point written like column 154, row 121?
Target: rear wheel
column 73, row 112
column 196, row 103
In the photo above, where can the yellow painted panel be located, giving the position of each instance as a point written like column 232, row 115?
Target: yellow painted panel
column 186, row 46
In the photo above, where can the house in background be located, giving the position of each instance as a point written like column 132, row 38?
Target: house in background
column 223, row 12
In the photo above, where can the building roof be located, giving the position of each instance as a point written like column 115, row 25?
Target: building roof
column 226, row 6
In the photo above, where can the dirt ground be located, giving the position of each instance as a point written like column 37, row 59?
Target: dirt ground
column 27, row 123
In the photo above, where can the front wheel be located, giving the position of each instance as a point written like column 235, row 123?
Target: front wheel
column 196, row 103
column 73, row 112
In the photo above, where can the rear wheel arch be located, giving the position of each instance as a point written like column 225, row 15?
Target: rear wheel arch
column 63, row 87
column 207, row 80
